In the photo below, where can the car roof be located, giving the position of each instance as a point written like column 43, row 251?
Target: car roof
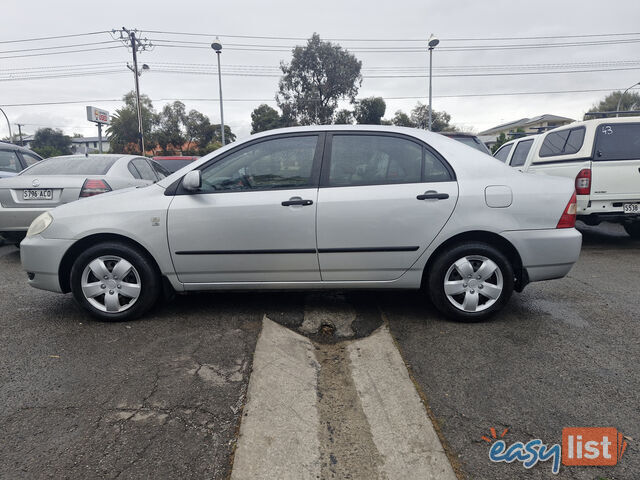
column 15, row 147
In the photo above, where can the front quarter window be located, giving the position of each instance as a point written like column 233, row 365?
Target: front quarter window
column 271, row 164
column 503, row 153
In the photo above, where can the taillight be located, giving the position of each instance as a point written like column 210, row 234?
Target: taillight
column 94, row 187
column 568, row 218
column 583, row 182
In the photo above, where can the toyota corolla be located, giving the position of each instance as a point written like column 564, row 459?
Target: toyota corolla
column 335, row 207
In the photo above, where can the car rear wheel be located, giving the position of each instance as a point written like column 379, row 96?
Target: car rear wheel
column 633, row 229
column 114, row 281
column 470, row 281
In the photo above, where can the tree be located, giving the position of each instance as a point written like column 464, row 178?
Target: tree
column 265, row 118
column 198, row 131
column 170, row 127
column 319, row 75
column 370, row 110
column 500, row 140
column 439, row 120
column 401, row 119
column 343, row 117
column 630, row 101
column 48, row 142
column 123, row 130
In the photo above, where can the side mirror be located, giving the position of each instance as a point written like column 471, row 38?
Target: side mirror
column 192, row 181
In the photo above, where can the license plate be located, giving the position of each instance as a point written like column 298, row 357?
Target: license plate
column 631, row 208
column 37, row 194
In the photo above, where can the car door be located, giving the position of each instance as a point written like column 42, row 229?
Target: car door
column 382, row 201
column 253, row 219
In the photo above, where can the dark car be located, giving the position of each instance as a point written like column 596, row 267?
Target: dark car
column 173, row 164
column 14, row 159
column 468, row 139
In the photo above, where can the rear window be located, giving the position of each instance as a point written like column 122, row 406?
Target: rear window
column 521, row 152
column 564, row 142
column 503, row 152
column 618, row 141
column 79, row 165
column 472, row 142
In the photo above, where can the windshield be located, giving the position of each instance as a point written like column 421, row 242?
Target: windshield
column 76, row 165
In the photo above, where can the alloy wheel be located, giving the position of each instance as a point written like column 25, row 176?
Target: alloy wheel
column 473, row 283
column 111, row 284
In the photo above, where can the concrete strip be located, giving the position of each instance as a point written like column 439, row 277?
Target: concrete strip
column 279, row 430
column 402, row 432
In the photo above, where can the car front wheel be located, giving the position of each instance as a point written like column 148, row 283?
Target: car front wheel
column 470, row 281
column 114, row 281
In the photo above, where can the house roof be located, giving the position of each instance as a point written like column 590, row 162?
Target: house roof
column 525, row 122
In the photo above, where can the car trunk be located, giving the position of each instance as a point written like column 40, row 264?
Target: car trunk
column 31, row 191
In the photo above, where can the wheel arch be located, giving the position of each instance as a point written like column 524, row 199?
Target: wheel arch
column 493, row 239
column 64, row 271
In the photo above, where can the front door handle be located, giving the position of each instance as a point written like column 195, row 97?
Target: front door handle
column 433, row 195
column 297, row 201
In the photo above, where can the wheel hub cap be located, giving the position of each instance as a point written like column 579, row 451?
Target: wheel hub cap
column 111, row 284
column 473, row 283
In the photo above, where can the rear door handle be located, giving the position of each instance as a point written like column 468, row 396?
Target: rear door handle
column 297, row 201
column 433, row 195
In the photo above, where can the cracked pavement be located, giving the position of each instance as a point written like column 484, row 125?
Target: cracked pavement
column 162, row 396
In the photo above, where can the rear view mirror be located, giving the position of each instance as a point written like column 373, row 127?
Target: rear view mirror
column 192, row 181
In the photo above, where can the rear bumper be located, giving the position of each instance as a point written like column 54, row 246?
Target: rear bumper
column 614, row 217
column 18, row 219
column 546, row 254
column 41, row 258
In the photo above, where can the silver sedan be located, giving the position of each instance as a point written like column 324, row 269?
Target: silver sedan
column 332, row 207
column 59, row 180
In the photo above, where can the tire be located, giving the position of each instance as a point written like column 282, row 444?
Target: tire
column 633, row 229
column 470, row 299
column 128, row 278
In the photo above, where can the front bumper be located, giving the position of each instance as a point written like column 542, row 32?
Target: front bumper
column 546, row 254
column 41, row 258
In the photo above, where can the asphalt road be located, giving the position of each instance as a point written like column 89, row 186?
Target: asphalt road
column 564, row 353
column 161, row 397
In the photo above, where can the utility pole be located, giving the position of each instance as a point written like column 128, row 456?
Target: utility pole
column 20, row 125
column 128, row 37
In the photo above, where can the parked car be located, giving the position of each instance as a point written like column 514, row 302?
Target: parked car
column 14, row 159
column 602, row 156
column 59, row 180
column 515, row 152
column 468, row 139
column 326, row 207
column 173, row 164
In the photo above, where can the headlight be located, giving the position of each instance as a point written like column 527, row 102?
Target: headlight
column 40, row 224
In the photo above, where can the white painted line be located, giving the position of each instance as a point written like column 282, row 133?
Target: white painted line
column 374, row 407
column 279, row 430
column 402, row 432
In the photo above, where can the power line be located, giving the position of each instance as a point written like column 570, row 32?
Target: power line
column 60, row 53
column 418, row 97
column 55, row 37
column 35, row 49
column 424, row 40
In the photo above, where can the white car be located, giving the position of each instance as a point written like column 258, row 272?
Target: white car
column 602, row 156
column 327, row 207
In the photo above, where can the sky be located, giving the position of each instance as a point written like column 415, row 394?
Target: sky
column 482, row 44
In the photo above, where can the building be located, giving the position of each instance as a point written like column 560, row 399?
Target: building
column 530, row 126
column 89, row 145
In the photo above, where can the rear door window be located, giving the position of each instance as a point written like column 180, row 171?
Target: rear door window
column 618, row 141
column 9, row 161
column 503, row 152
column 564, row 142
column 146, row 172
column 30, row 159
column 520, row 153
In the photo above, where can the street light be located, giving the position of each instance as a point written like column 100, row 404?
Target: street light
column 620, row 100
column 8, row 125
column 433, row 42
column 217, row 46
